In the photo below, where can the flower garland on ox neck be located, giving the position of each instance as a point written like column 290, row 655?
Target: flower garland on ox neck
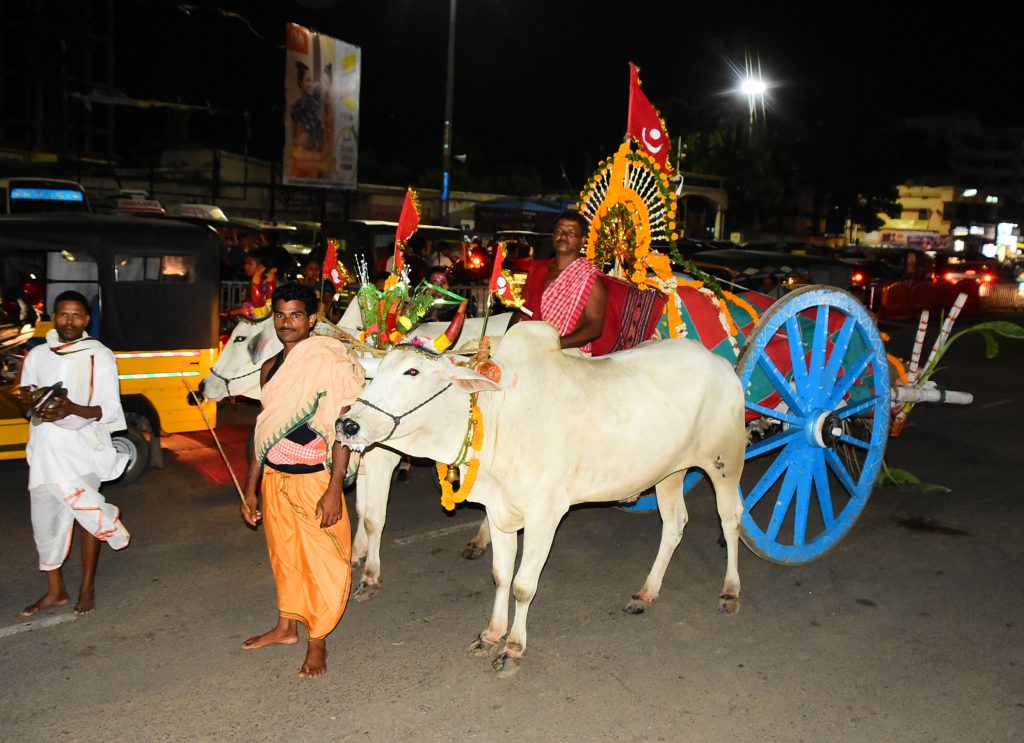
column 474, row 440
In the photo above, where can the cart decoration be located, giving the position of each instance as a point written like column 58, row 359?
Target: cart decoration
column 813, row 366
column 389, row 315
column 631, row 207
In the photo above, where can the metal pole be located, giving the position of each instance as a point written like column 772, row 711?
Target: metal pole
column 449, row 96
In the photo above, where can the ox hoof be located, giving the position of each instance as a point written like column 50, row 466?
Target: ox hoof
column 481, row 648
column 636, row 605
column 505, row 666
column 472, row 552
column 729, row 604
column 366, row 591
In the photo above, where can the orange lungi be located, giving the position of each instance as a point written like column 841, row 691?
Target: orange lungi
column 311, row 565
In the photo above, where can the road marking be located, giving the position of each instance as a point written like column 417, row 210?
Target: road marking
column 997, row 403
column 436, row 533
column 15, row 629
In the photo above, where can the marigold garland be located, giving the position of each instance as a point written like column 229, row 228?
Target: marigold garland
column 901, row 371
column 743, row 305
column 475, row 440
column 477, row 421
column 451, row 497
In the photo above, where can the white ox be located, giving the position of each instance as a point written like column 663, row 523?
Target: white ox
column 236, row 372
column 562, row 429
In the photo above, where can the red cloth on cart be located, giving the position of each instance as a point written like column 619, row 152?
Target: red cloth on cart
column 630, row 315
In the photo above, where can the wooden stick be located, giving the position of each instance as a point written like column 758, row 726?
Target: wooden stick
column 220, row 448
column 487, row 316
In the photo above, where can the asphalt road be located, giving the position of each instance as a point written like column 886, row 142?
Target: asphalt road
column 909, row 630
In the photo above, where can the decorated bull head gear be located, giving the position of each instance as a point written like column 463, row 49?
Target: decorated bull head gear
column 262, row 292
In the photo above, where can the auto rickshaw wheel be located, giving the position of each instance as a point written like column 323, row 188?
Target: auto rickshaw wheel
column 131, row 442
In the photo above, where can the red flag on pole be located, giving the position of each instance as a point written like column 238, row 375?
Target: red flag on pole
column 644, row 124
column 408, row 223
column 499, row 257
column 332, row 272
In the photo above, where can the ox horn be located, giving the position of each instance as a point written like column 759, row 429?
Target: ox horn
column 262, row 291
column 444, row 341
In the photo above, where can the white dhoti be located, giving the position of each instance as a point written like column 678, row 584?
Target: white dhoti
column 56, row 507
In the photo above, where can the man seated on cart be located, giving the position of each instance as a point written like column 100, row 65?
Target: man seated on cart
column 568, row 291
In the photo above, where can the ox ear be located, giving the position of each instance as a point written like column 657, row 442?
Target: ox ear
column 256, row 346
column 468, row 380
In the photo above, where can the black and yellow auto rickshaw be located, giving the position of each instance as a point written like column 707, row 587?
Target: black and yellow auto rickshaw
column 153, row 289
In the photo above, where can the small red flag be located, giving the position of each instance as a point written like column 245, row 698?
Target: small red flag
column 503, row 290
column 332, row 271
column 644, row 124
column 499, row 257
column 408, row 223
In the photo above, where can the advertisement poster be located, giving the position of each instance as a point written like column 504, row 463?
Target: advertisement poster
column 321, row 113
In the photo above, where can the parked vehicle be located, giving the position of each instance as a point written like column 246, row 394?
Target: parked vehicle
column 152, row 286
column 523, row 246
column 953, row 268
column 298, row 241
column 898, row 283
column 201, row 211
column 792, row 247
column 771, row 273
column 39, row 195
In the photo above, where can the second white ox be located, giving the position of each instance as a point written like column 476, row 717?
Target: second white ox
column 561, row 429
column 236, row 372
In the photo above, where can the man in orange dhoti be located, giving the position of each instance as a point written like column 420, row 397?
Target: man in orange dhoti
column 301, row 470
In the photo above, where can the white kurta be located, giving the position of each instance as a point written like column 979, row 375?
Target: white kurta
column 74, row 447
column 67, row 459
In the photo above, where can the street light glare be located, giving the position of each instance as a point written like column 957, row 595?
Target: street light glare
column 753, row 87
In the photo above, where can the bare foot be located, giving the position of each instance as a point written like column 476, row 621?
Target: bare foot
column 284, row 633
column 316, row 660
column 48, row 601
column 86, row 602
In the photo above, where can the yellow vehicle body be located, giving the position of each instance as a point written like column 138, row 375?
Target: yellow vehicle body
column 152, row 287
column 162, row 378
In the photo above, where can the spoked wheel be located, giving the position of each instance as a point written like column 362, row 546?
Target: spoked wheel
column 815, row 372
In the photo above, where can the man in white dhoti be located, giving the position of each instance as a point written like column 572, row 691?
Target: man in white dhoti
column 69, row 450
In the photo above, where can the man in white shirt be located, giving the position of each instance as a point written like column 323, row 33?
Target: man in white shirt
column 69, row 450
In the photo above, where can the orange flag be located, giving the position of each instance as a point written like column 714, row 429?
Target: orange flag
column 644, row 123
column 408, row 223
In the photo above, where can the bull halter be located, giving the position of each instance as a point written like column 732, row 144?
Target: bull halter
column 228, row 380
column 397, row 419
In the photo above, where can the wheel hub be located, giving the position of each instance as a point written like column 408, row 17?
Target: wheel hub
column 826, row 429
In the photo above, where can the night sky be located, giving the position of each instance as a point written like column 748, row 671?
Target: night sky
column 544, row 84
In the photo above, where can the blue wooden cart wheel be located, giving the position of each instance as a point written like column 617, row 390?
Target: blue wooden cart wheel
column 815, row 370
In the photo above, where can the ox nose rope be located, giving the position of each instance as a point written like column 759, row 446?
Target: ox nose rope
column 397, row 419
column 228, row 380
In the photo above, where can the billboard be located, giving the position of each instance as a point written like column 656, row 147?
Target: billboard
column 321, row 113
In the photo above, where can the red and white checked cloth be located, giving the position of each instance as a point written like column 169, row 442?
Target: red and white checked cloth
column 566, row 296
column 287, row 451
